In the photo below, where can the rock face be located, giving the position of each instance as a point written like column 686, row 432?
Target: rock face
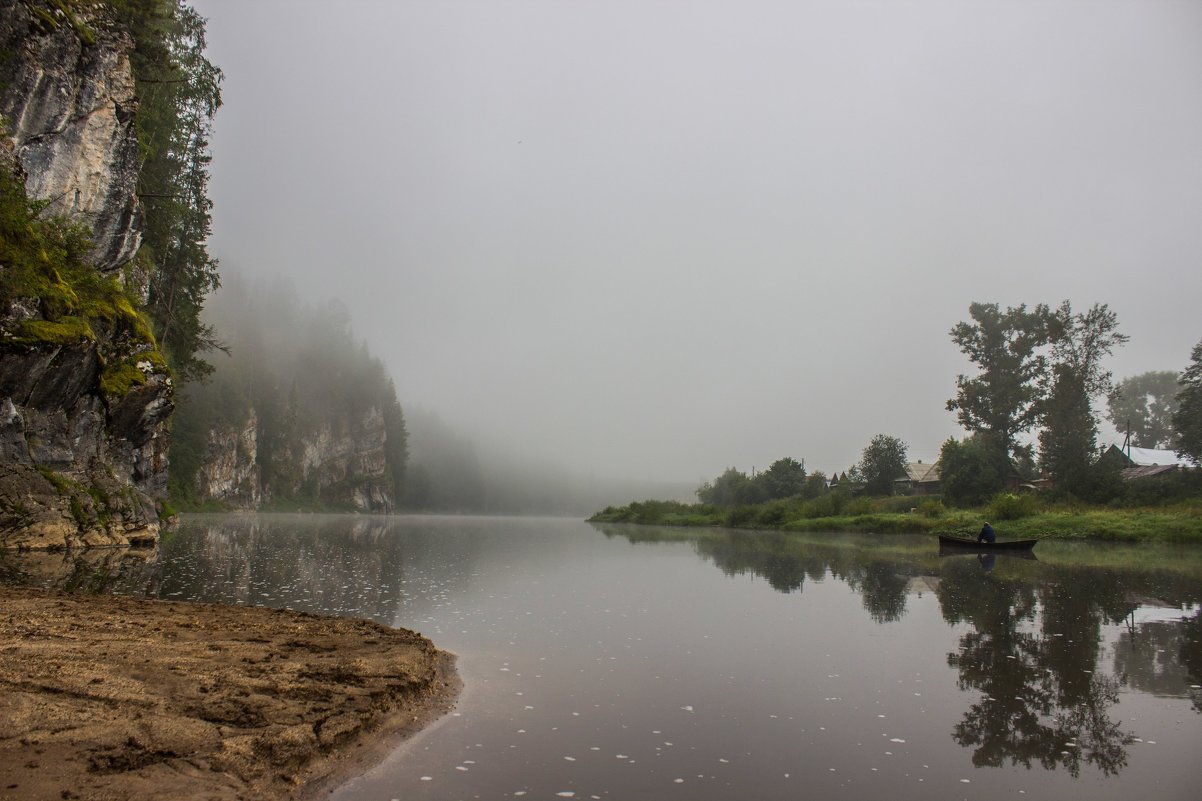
column 70, row 109
column 349, row 466
column 338, row 465
column 230, row 472
column 78, row 465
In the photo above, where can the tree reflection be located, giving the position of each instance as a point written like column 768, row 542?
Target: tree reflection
column 1032, row 643
column 1191, row 656
column 759, row 555
column 1031, row 655
column 882, row 584
column 883, row 591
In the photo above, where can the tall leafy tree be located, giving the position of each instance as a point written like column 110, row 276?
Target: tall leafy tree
column 1080, row 342
column 1187, row 420
column 784, row 479
column 883, row 461
column 732, row 488
column 1145, row 404
column 1004, row 399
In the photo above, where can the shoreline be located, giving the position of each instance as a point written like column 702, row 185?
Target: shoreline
column 118, row 697
column 1180, row 524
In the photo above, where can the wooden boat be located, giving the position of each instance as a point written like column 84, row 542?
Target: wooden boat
column 946, row 541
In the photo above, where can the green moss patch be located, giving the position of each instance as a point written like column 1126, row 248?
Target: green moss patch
column 43, row 265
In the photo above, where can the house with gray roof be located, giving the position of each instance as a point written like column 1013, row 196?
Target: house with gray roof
column 919, row 479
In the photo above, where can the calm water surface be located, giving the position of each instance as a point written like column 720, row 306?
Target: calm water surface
column 635, row 663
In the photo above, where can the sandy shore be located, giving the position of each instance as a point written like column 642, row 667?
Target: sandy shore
column 105, row 697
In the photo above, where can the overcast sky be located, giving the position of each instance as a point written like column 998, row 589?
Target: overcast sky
column 655, row 239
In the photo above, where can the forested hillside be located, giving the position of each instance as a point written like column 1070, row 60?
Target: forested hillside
column 297, row 414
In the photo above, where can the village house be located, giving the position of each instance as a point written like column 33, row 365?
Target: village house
column 919, row 479
column 1140, row 463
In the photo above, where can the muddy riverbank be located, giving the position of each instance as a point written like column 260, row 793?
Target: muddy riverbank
column 125, row 698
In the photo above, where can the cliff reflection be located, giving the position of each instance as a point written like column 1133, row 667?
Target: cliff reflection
column 93, row 571
column 1033, row 642
column 335, row 566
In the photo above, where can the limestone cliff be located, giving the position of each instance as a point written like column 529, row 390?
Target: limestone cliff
column 70, row 107
column 349, row 466
column 337, row 465
column 229, row 473
column 84, row 393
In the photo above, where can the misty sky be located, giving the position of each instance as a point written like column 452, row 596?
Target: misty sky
column 656, row 239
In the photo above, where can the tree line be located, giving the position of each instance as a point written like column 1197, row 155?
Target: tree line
column 1040, row 371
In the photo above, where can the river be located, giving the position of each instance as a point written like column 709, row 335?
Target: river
column 613, row 662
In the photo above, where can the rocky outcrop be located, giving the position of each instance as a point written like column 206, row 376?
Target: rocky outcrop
column 83, row 436
column 230, row 472
column 70, row 109
column 348, row 466
column 338, row 465
column 78, row 468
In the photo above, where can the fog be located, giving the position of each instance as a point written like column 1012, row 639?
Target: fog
column 652, row 240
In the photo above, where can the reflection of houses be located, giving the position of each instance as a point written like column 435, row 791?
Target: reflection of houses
column 1143, row 462
column 917, row 585
column 919, row 479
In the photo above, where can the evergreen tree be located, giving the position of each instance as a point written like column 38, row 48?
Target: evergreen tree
column 1068, row 441
column 179, row 91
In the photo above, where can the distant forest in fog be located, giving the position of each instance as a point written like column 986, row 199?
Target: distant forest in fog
column 299, row 366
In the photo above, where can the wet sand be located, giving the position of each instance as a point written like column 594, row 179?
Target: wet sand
column 106, row 697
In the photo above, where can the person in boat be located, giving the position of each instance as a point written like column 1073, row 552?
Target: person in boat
column 987, row 535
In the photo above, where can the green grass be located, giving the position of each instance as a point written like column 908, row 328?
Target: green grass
column 1181, row 522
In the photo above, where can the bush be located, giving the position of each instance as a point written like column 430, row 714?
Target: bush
column 740, row 516
column 1008, row 506
column 859, row 506
column 931, row 507
column 771, row 515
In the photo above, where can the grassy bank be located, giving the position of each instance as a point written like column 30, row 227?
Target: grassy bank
column 1013, row 517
